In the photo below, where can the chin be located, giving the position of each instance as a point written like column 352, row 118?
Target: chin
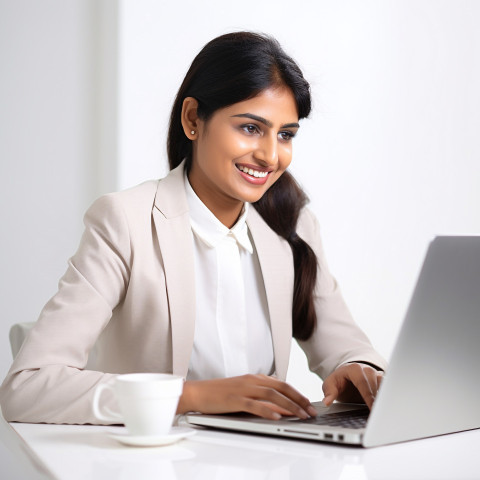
column 252, row 197
column 252, row 194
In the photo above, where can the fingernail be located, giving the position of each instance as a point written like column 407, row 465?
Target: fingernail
column 303, row 414
column 276, row 416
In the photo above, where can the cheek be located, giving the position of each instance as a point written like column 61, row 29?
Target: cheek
column 236, row 145
column 228, row 146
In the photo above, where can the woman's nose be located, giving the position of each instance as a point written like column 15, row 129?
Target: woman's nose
column 267, row 150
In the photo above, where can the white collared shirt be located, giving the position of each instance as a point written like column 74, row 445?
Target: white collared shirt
column 232, row 325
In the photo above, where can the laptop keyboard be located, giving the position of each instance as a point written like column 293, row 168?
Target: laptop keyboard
column 351, row 419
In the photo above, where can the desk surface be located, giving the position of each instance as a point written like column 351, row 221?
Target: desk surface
column 86, row 451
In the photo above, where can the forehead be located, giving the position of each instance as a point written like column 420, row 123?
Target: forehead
column 276, row 104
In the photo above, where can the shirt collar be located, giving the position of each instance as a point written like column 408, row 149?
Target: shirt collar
column 207, row 226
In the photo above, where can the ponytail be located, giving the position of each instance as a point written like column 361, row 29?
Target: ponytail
column 280, row 207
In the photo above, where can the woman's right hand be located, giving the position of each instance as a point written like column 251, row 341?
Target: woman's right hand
column 261, row 395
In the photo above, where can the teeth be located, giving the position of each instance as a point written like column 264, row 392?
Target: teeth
column 253, row 173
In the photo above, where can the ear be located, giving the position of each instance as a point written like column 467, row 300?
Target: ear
column 190, row 118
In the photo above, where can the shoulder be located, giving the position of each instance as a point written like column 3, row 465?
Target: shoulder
column 117, row 211
column 140, row 195
column 307, row 226
column 133, row 208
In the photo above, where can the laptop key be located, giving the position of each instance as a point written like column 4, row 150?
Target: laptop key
column 349, row 419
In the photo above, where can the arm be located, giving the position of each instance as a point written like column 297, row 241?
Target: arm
column 46, row 382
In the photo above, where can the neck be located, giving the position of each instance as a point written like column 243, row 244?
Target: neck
column 228, row 218
column 226, row 209
column 227, row 214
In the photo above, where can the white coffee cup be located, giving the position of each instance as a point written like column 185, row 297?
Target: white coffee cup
column 147, row 401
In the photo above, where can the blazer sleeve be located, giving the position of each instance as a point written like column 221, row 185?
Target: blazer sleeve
column 47, row 381
column 337, row 339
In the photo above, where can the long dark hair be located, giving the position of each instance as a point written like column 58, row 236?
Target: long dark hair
column 229, row 69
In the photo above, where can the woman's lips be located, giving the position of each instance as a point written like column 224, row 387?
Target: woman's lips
column 253, row 174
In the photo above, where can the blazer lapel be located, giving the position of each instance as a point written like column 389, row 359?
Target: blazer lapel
column 172, row 223
column 276, row 263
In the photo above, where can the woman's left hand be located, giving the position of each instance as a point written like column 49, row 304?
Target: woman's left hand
column 353, row 383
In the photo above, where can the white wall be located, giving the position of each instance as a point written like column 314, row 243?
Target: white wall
column 389, row 156
column 47, row 149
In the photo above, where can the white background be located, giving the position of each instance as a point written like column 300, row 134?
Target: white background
column 389, row 157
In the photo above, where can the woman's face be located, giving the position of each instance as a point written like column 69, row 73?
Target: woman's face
column 242, row 150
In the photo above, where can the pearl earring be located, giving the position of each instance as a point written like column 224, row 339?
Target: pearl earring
column 193, row 132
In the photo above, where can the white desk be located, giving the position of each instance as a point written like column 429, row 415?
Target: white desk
column 73, row 452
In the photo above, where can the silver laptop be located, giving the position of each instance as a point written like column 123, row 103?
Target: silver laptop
column 432, row 385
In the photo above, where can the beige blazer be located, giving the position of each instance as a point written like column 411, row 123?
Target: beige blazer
column 130, row 290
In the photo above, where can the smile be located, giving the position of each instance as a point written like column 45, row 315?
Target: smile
column 251, row 172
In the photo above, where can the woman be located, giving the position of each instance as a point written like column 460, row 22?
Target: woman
column 206, row 273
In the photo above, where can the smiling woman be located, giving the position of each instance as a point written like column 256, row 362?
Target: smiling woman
column 207, row 273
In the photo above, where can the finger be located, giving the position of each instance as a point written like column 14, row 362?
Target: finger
column 277, row 398
column 261, row 409
column 291, row 399
column 265, row 409
column 379, row 382
column 331, row 388
column 254, row 394
column 278, row 409
column 329, row 399
column 364, row 380
column 330, row 392
column 270, row 391
column 374, row 378
column 379, row 379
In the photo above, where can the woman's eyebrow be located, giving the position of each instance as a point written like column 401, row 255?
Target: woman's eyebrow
column 265, row 121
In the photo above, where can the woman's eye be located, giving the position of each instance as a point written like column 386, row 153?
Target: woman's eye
column 250, row 128
column 286, row 136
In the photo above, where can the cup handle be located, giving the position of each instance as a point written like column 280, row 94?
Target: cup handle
column 114, row 417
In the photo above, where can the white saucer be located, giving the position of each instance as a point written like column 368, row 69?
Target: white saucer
column 176, row 434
